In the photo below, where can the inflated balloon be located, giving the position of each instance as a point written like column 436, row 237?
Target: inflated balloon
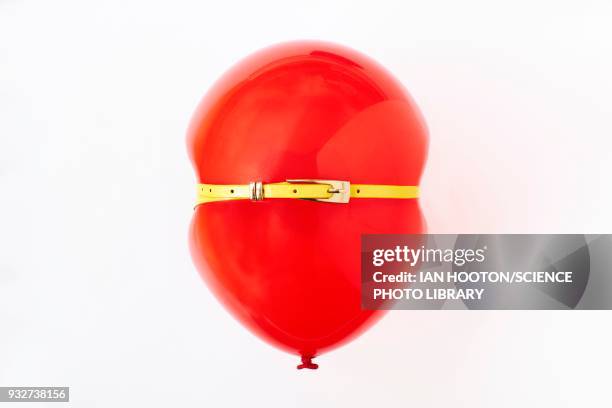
column 284, row 257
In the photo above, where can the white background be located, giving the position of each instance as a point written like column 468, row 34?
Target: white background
column 97, row 289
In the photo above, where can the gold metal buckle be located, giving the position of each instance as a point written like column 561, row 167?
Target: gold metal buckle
column 340, row 190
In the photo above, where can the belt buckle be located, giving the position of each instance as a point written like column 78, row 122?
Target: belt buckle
column 340, row 190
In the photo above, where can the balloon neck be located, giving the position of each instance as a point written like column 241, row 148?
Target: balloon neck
column 307, row 363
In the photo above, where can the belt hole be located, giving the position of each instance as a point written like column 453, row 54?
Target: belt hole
column 358, row 191
column 210, row 190
column 294, row 191
column 232, row 191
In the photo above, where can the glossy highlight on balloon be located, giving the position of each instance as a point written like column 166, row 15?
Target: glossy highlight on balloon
column 289, row 269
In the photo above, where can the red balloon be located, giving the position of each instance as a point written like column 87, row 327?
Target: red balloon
column 289, row 269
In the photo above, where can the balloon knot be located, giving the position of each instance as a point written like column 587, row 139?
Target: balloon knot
column 307, row 363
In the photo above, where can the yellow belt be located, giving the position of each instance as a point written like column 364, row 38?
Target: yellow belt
column 330, row 191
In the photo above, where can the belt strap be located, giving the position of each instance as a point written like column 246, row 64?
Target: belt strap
column 331, row 191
